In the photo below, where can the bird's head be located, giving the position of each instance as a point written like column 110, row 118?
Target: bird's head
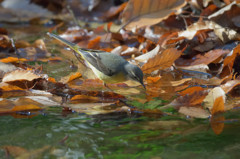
column 135, row 73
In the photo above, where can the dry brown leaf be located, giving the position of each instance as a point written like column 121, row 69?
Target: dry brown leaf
column 225, row 34
column 161, row 61
column 227, row 16
column 206, row 58
column 190, row 90
column 139, row 13
column 227, row 87
column 195, row 112
column 20, row 75
column 229, row 60
column 195, row 98
column 218, row 105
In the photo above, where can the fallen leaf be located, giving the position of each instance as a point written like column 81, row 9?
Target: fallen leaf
column 205, row 58
column 195, row 112
column 163, row 60
column 195, row 98
column 25, row 107
column 227, row 16
column 94, row 44
column 12, row 60
column 190, row 90
column 6, row 67
column 225, row 34
column 229, row 60
column 19, row 75
column 74, row 76
column 83, row 99
column 214, row 94
column 218, row 105
column 228, row 86
column 151, row 54
column 139, row 13
column 152, row 79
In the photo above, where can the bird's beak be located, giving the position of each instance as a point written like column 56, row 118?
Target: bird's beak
column 143, row 85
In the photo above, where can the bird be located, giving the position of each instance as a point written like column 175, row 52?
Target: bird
column 108, row 67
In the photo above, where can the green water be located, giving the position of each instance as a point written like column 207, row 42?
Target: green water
column 74, row 136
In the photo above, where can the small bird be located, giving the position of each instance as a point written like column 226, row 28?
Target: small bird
column 108, row 67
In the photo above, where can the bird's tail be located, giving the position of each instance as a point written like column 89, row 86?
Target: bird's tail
column 68, row 43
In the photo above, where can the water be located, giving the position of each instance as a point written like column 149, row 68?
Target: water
column 74, row 136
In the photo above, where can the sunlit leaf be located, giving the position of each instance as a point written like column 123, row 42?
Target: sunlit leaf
column 163, row 60
column 225, row 34
column 218, row 105
column 151, row 54
column 19, row 75
column 228, row 86
column 139, row 13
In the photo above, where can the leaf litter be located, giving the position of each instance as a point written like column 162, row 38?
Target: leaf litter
column 201, row 47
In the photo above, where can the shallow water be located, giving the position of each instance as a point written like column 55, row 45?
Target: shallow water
column 74, row 135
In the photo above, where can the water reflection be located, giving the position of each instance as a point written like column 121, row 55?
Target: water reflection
column 118, row 135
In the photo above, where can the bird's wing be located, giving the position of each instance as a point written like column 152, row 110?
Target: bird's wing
column 93, row 57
